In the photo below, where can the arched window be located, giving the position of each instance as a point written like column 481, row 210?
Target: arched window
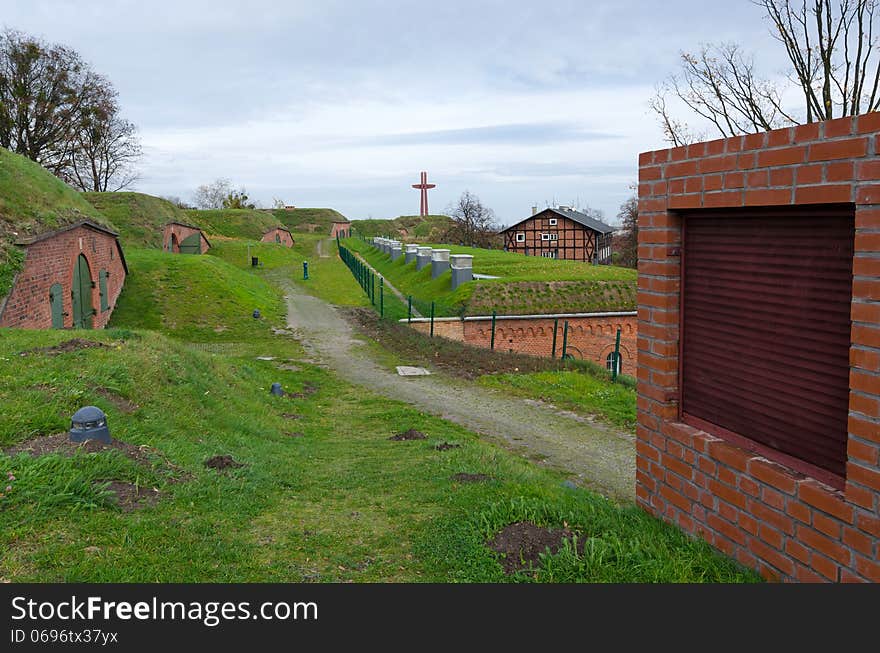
column 609, row 361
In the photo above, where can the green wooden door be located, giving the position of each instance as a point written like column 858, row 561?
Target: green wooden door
column 56, row 302
column 82, row 294
column 191, row 244
column 102, row 287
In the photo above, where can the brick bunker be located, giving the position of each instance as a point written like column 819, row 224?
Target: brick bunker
column 70, row 278
column 590, row 336
column 341, row 228
column 278, row 235
column 759, row 346
column 180, row 238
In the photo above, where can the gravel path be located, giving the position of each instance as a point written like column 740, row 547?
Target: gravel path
column 596, row 456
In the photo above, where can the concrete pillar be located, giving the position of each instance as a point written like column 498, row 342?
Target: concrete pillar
column 462, row 269
column 410, row 252
column 396, row 250
column 439, row 262
column 423, row 257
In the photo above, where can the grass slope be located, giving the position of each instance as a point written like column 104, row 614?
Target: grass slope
column 412, row 227
column 312, row 220
column 196, row 298
column 140, row 218
column 527, row 284
column 233, row 223
column 336, row 502
column 33, row 201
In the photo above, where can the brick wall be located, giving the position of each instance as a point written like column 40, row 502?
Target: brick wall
column 589, row 338
column 52, row 261
column 283, row 234
column 175, row 233
column 341, row 228
column 762, row 512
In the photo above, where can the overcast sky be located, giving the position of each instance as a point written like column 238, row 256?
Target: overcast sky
column 341, row 104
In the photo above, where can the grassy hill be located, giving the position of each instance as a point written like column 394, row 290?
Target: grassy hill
column 430, row 227
column 312, row 220
column 33, row 201
column 140, row 218
column 526, row 284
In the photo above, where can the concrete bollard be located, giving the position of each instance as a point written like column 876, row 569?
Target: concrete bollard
column 396, row 250
column 423, row 257
column 462, row 269
column 439, row 262
column 410, row 252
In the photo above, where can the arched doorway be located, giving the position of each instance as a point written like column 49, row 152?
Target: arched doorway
column 173, row 244
column 82, row 294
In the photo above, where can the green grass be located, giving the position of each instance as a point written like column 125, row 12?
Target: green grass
column 428, row 227
column 140, row 218
column 311, row 220
column 528, row 284
column 33, row 201
column 233, row 223
column 575, row 390
column 195, row 298
column 340, row 503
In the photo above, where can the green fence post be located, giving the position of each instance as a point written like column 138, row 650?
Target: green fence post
column 432, row 319
column 409, row 309
column 372, row 288
column 381, row 297
column 616, row 356
column 564, row 339
column 555, row 328
column 492, row 343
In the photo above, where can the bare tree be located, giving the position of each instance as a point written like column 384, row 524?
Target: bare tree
column 472, row 223
column 45, row 90
column 629, row 238
column 212, row 196
column 104, row 147
column 834, row 66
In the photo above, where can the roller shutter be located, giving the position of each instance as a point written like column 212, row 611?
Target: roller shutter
column 766, row 327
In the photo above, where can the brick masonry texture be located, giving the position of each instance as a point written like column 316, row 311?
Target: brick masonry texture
column 177, row 232
column 766, row 515
column 283, row 234
column 341, row 228
column 589, row 338
column 52, row 261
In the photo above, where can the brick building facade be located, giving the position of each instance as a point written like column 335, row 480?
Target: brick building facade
column 278, row 235
column 184, row 238
column 769, row 502
column 74, row 274
column 341, row 228
column 560, row 233
column 590, row 336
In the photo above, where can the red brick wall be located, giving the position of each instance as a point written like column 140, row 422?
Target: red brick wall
column 177, row 232
column 589, row 338
column 340, row 227
column 286, row 238
column 764, row 513
column 52, row 261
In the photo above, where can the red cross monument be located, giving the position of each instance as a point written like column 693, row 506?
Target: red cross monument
column 424, row 186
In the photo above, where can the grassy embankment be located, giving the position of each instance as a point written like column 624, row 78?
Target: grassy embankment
column 325, row 497
column 526, row 284
column 429, row 227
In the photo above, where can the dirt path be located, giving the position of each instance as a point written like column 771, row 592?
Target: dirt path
column 320, row 247
column 596, row 456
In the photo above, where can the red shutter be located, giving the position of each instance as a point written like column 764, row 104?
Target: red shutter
column 766, row 327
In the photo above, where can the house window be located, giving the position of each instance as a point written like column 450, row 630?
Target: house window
column 550, row 237
column 610, row 363
column 520, row 237
column 553, row 222
column 549, row 253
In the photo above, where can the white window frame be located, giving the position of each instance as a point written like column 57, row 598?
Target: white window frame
column 609, row 362
column 553, row 222
column 550, row 236
column 549, row 253
column 520, row 237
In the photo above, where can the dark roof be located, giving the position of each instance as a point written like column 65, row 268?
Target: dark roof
column 278, row 229
column 580, row 218
column 24, row 242
column 184, row 224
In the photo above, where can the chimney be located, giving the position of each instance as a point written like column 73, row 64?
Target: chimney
column 534, row 209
